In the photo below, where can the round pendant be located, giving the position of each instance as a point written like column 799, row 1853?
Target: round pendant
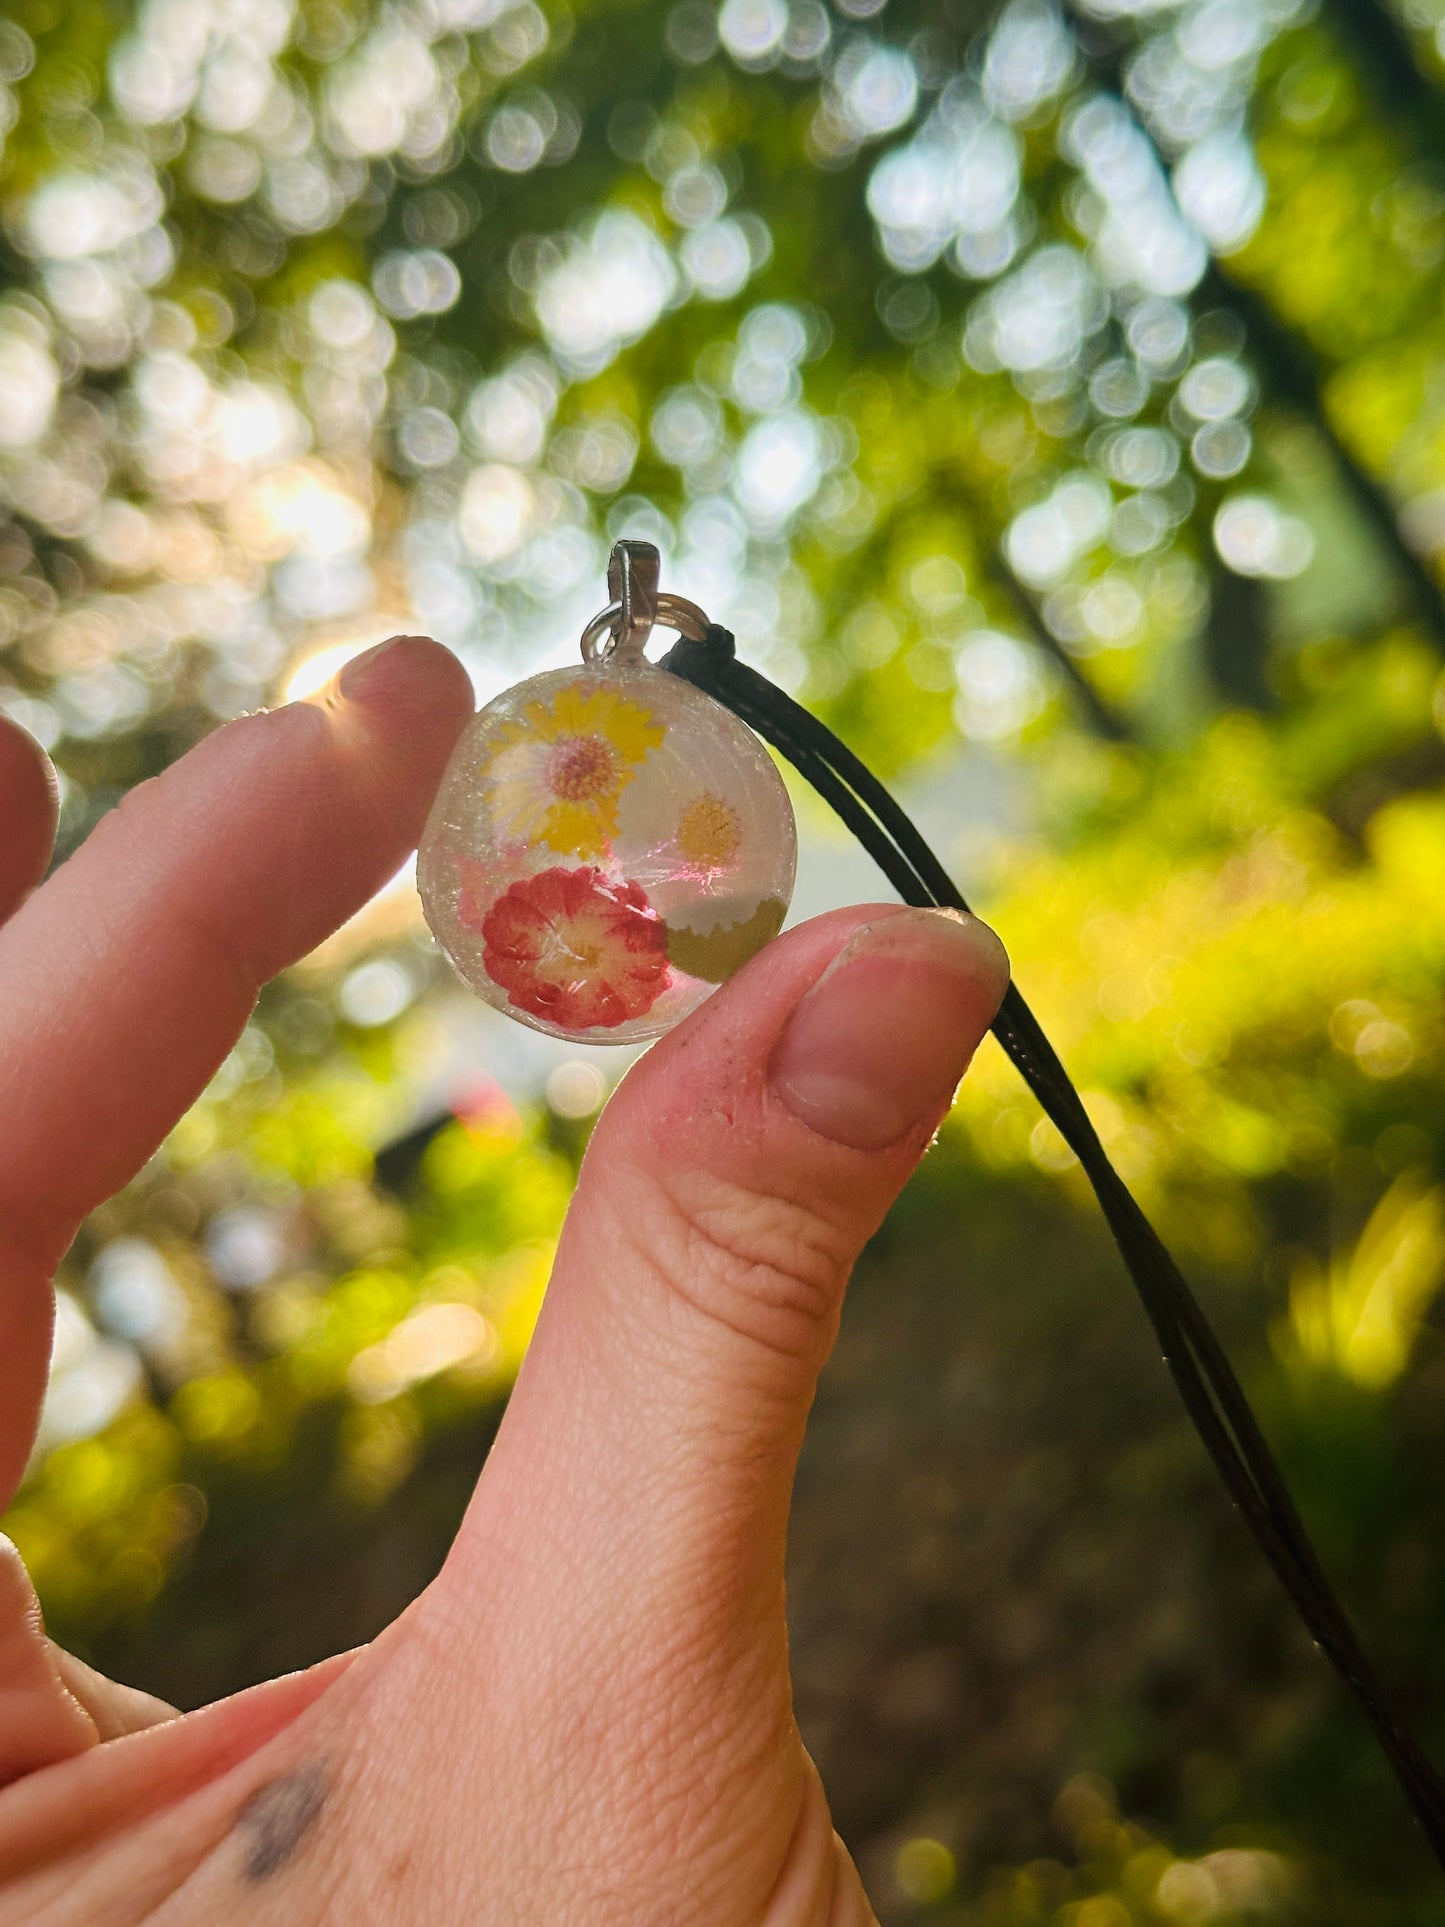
column 607, row 845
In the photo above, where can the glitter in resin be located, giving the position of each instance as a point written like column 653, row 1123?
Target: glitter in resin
column 608, row 844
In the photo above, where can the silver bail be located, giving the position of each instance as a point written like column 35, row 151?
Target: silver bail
column 633, row 569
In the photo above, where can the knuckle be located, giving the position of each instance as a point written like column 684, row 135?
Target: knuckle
column 759, row 1261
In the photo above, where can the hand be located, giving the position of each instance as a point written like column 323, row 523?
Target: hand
column 586, row 1718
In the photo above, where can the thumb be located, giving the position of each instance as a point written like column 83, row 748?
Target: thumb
column 729, row 1187
column 601, row 1667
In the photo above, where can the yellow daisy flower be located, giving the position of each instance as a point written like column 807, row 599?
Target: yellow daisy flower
column 556, row 773
column 709, row 834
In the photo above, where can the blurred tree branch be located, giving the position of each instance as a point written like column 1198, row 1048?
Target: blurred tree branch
column 1384, row 53
column 1102, row 716
column 1288, row 366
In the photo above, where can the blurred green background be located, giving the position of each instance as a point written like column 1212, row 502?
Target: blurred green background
column 1053, row 398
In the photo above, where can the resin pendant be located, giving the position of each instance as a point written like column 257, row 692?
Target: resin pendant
column 607, row 845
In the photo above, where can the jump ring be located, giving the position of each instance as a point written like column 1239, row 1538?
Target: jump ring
column 601, row 640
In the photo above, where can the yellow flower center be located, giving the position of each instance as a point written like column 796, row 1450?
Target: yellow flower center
column 581, row 769
column 709, row 833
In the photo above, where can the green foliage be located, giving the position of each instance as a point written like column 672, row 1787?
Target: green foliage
column 898, row 330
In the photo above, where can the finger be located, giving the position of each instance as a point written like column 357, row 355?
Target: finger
column 729, row 1187
column 53, row 1826
column 634, row 1504
column 128, row 977
column 29, row 804
column 41, row 1720
column 144, row 953
column 115, row 1709
column 53, row 1705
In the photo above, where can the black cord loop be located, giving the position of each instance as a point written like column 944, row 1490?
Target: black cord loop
column 1202, row 1373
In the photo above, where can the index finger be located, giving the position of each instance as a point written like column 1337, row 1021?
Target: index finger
column 127, row 978
column 28, row 810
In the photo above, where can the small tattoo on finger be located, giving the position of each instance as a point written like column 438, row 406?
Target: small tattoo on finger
column 278, row 1816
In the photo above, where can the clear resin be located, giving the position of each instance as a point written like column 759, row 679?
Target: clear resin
column 607, row 845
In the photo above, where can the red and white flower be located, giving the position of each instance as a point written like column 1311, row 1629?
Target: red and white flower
column 570, row 946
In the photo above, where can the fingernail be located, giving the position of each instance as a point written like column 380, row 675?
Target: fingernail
column 878, row 1044
column 369, row 677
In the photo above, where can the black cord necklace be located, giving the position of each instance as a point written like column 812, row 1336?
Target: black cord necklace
column 569, row 871
column 1211, row 1393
